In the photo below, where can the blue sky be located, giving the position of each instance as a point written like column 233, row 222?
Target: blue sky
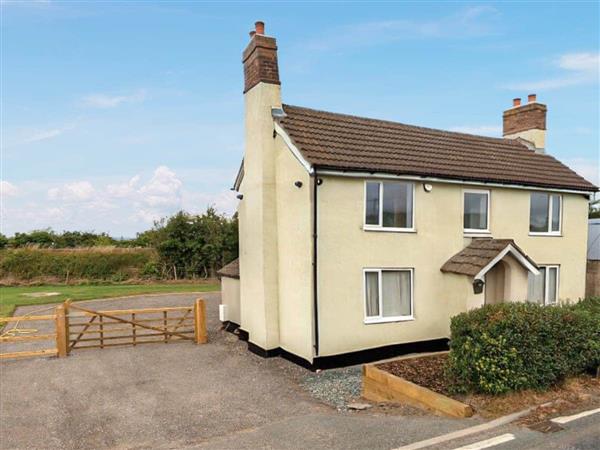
column 118, row 113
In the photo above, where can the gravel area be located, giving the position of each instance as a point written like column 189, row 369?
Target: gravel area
column 335, row 387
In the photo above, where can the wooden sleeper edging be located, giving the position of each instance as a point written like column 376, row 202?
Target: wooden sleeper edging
column 382, row 386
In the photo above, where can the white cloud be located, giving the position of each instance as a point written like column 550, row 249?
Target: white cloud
column 44, row 135
column 580, row 62
column 7, row 189
column 121, row 206
column 469, row 22
column 482, row 130
column 576, row 68
column 123, row 189
column 105, row 101
column 78, row 191
column 163, row 189
column 224, row 201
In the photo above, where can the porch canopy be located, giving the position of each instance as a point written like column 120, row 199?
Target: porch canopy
column 482, row 254
column 231, row 270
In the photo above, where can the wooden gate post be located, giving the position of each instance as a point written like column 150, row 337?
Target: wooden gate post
column 200, row 321
column 62, row 332
column 67, row 305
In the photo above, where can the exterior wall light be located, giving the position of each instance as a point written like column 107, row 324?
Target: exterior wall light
column 427, row 187
column 478, row 286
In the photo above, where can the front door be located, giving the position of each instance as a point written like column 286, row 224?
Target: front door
column 494, row 284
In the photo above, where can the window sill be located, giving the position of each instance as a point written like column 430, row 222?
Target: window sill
column 476, row 233
column 388, row 319
column 555, row 234
column 389, row 229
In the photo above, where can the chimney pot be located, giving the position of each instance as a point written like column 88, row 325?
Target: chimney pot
column 531, row 98
column 260, row 27
column 252, row 33
column 516, row 101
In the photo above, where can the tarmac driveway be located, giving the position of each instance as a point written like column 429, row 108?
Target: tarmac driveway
column 182, row 395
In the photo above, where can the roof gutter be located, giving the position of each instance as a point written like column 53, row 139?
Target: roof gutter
column 383, row 175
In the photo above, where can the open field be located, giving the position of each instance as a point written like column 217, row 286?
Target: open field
column 11, row 297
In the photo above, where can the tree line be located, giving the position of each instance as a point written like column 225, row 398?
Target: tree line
column 187, row 245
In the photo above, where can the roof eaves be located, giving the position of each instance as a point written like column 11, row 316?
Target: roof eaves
column 443, row 178
column 239, row 177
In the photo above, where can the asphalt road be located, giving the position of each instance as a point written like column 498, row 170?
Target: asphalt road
column 579, row 434
column 212, row 396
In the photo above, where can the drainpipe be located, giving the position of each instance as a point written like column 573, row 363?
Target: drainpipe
column 316, row 183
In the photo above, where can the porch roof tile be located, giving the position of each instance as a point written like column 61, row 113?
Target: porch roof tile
column 478, row 254
column 231, row 270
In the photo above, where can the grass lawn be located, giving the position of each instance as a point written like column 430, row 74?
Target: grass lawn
column 11, row 297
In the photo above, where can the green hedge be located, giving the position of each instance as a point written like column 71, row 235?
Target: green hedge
column 514, row 346
column 93, row 264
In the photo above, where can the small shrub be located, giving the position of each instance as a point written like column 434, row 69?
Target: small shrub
column 151, row 270
column 514, row 346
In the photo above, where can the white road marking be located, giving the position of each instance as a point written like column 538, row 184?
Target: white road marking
column 465, row 432
column 488, row 442
column 566, row 419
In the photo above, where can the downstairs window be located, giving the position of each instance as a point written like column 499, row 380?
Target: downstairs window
column 543, row 288
column 388, row 295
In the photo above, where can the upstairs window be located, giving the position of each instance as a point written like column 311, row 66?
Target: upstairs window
column 476, row 211
column 543, row 288
column 389, row 205
column 545, row 213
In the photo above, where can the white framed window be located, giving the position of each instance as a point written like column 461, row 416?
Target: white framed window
column 545, row 214
column 389, row 206
column 388, row 295
column 543, row 288
column 476, row 211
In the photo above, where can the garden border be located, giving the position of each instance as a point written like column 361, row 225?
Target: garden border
column 382, row 386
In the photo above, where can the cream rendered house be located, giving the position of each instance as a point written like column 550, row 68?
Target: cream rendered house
column 361, row 238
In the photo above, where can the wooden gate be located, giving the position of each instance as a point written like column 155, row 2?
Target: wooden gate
column 112, row 328
column 15, row 335
column 80, row 328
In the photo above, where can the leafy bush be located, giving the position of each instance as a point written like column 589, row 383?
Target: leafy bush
column 514, row 346
column 93, row 264
column 151, row 270
column 591, row 304
column 194, row 245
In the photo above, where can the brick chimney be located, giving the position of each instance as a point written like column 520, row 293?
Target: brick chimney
column 260, row 59
column 258, row 224
column 527, row 122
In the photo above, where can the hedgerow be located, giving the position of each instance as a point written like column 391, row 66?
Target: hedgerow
column 91, row 264
column 514, row 346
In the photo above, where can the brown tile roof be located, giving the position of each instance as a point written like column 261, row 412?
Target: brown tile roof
column 341, row 142
column 478, row 254
column 231, row 270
